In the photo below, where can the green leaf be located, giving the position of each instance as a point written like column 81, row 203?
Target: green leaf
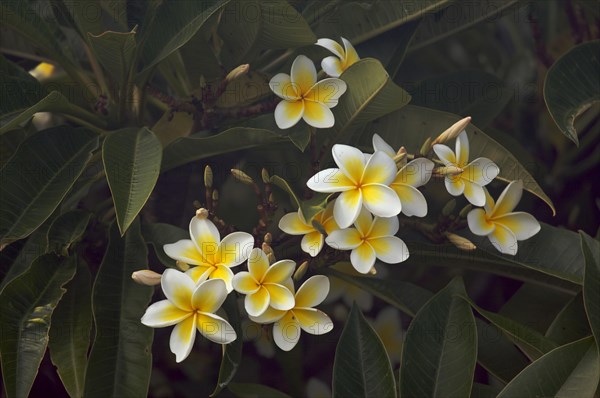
column 70, row 332
column 440, row 349
column 309, row 207
column 572, row 85
column 132, row 162
column 245, row 90
column 159, row 234
column 299, row 134
column 591, row 282
column 116, row 52
column 120, row 361
column 571, row 370
column 26, row 307
column 9, row 142
column 38, row 176
column 361, row 367
column 67, row 229
column 86, row 15
column 247, row 390
column 189, row 149
column 571, row 323
column 19, row 91
column 410, row 126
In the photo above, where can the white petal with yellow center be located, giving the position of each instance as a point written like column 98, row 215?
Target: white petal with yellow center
column 304, row 74
column 389, row 249
column 293, row 224
column 281, row 85
column 288, row 113
column 312, row 243
column 312, row 292
column 445, row 154
column 351, row 56
column 415, row 173
column 327, row 92
column 350, row 160
column 380, row 169
column 281, row 298
column 380, row 145
column 258, row 264
column 225, row 274
column 347, row 207
column 332, row 66
column 454, row 185
column 363, row 222
column 256, row 303
column 481, row 171
column 178, row 288
column 381, row 200
column 509, row 198
column 412, row 201
column 474, row 193
column 332, row 46
column 279, row 272
column 269, row 316
column 184, row 250
column 478, row 223
column 235, row 248
column 182, row 338
column 384, row 226
column 318, row 115
column 199, row 273
column 215, row 328
column 330, row 180
column 206, row 237
column 363, row 258
column 522, row 224
column 504, row 240
column 163, row 313
column 313, row 321
column 244, row 283
column 209, row 295
column 286, row 332
column 344, row 239
column 462, row 149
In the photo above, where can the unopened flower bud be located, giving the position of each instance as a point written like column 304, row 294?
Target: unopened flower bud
column 449, row 207
column 265, row 176
column 146, row 277
column 202, row 213
column 465, row 210
column 271, row 198
column 266, row 248
column 426, row 147
column 182, row 266
column 242, row 177
column 460, row 242
column 271, row 258
column 237, row 72
column 208, row 177
column 400, row 157
column 268, row 238
column 301, row 271
column 453, row 131
column 373, row 271
column 447, row 171
column 215, row 195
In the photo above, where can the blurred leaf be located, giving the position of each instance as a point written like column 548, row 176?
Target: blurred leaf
column 299, row 134
column 245, row 90
column 309, row 207
column 402, row 39
column 410, row 126
column 115, row 51
column 19, row 91
column 174, row 71
column 38, row 176
column 247, row 390
column 132, row 162
column 26, row 307
column 571, row 86
column 568, row 371
column 571, row 323
column 440, row 349
column 159, row 234
column 189, row 149
column 361, row 367
column 67, row 229
column 484, row 391
column 591, row 282
column 9, row 142
column 120, row 361
column 86, row 15
column 70, row 332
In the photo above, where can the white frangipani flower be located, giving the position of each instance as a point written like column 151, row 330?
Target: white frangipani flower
column 361, row 183
column 265, row 285
column 371, row 238
column 304, row 98
column 288, row 324
column 190, row 306
column 210, row 254
column 474, row 176
column 344, row 57
column 296, row 224
column 500, row 224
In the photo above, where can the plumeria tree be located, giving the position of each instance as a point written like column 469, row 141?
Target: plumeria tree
column 304, row 198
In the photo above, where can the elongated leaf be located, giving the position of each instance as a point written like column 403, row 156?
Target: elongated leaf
column 245, row 90
column 188, row 149
column 421, row 123
column 120, row 361
column 26, row 307
column 159, row 234
column 572, row 85
column 38, row 176
column 132, row 162
column 309, row 207
column 19, row 91
column 571, row 370
column 591, row 282
column 440, row 349
column 70, row 332
column 67, row 229
column 571, row 323
column 247, row 390
column 115, row 52
column 361, row 367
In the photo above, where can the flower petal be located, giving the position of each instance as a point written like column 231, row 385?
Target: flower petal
column 351, row 55
column 445, row 154
column 504, row 240
column 363, row 222
column 206, row 237
column 412, row 200
column 312, row 243
column 327, row 92
column 269, row 316
column 330, row 180
column 235, row 248
column 332, row 66
column 258, row 264
column 313, row 321
column 478, row 224
column 304, row 74
column 286, row 332
column 347, row 207
column 209, row 295
column 256, row 303
column 182, row 338
column 163, row 313
column 381, row 200
column 332, row 46
column 199, row 273
column 379, row 144
column 281, row 297
column 454, row 185
column 350, row 160
column 489, row 202
column 293, row 224
column 344, row 239
column 312, row 292
column 415, row 173
column 318, row 115
column 474, row 193
column 389, row 249
column 178, row 288
column 244, row 283
column 509, row 199
column 383, row 226
column 281, row 85
column 462, row 149
column 481, row 171
column 225, row 274
column 363, row 258
column 279, row 271
column 215, row 328
column 380, row 169
column 522, row 224
column 184, row 250
column 288, row 113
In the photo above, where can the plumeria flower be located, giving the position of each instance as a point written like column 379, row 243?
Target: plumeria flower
column 190, row 306
column 361, row 183
column 500, row 224
column 371, row 238
column 304, row 98
column 389, row 329
column 347, row 292
column 414, row 174
column 475, row 175
column 210, row 254
column 265, row 285
column 288, row 324
column 344, row 57
column 296, row 224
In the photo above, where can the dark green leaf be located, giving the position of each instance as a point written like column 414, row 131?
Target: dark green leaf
column 309, row 207
column 67, row 229
column 120, row 361
column 298, row 134
column 38, row 176
column 246, row 390
column 484, row 391
column 159, row 234
column 440, row 349
column 115, row 51
column 70, row 332
column 591, row 282
column 132, row 162
column 572, row 85
column 26, row 307
column 361, row 367
column 19, row 91
column 571, row 323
